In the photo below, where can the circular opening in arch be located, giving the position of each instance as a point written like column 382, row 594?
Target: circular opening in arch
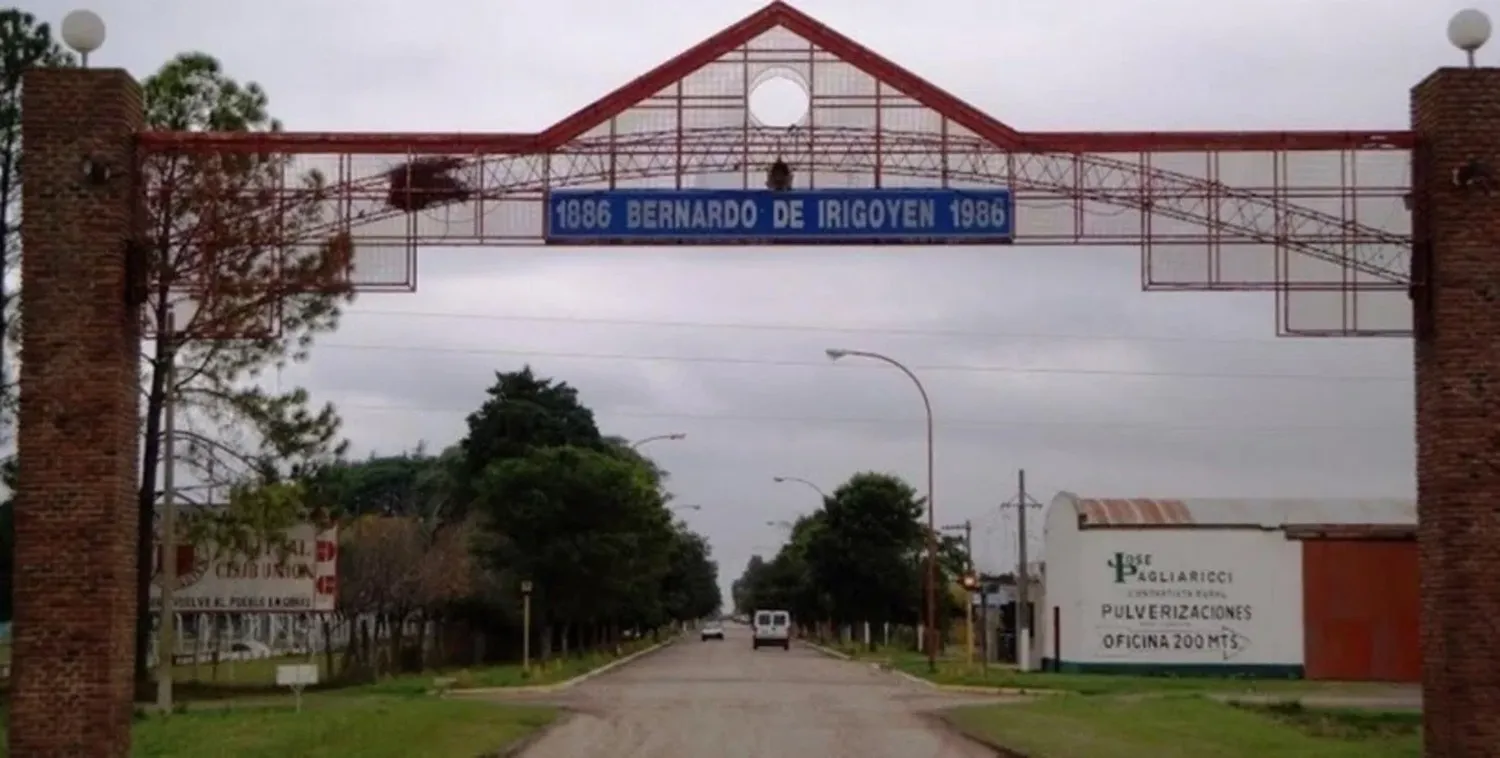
column 779, row 99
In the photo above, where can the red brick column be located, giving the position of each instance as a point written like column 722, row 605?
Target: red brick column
column 78, row 441
column 1456, row 116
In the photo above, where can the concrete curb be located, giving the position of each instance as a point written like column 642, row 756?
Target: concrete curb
column 913, row 678
column 548, row 688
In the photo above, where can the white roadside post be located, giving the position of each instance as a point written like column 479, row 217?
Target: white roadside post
column 526, row 626
column 297, row 677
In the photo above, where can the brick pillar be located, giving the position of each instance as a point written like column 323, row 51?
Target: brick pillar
column 75, row 602
column 1456, row 117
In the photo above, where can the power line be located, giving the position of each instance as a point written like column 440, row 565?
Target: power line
column 941, row 423
column 892, row 331
column 952, row 368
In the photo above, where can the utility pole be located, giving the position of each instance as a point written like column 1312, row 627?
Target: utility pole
column 166, row 637
column 1022, row 503
column 1023, row 579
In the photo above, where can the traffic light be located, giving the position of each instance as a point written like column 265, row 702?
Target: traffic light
column 971, row 581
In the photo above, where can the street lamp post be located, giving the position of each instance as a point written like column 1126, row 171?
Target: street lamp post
column 932, row 541
column 657, row 438
column 693, row 507
column 800, row 480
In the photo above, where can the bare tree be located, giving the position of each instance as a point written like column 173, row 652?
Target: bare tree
column 446, row 576
column 380, row 581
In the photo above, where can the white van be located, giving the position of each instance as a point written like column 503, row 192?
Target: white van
column 772, row 629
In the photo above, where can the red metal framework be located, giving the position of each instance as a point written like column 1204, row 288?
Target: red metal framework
column 1319, row 218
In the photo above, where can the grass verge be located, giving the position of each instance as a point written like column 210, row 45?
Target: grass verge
column 1185, row 727
column 334, row 726
column 251, row 718
column 255, row 680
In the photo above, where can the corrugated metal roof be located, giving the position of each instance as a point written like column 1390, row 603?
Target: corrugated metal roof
column 1266, row 513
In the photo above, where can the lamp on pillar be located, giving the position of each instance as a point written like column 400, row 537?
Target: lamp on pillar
column 83, row 32
column 1468, row 30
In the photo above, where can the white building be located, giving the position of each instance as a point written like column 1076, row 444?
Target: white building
column 1318, row 588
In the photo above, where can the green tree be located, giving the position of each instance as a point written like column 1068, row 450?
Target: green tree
column 864, row 553
column 580, row 515
column 412, row 484
column 521, row 412
column 786, row 581
column 588, row 528
column 743, row 590
column 690, row 588
column 229, row 296
column 25, row 44
column 807, row 598
column 859, row 558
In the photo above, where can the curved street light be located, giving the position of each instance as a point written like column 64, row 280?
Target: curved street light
column 693, row 507
column 932, row 544
column 800, row 480
column 657, row 438
column 782, row 524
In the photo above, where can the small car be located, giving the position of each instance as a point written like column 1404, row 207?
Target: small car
column 712, row 632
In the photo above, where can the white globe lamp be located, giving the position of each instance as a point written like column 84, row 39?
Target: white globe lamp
column 1468, row 30
column 83, row 32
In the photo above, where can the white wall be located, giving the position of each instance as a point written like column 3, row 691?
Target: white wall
column 1060, row 532
column 1197, row 597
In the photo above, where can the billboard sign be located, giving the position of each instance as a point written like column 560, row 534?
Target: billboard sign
column 1207, row 597
column 298, row 575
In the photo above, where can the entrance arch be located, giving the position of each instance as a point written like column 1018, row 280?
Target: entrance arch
column 1323, row 220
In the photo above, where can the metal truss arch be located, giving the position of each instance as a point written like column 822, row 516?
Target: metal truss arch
column 1087, row 184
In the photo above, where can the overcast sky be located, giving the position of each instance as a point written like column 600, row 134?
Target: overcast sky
column 1048, row 359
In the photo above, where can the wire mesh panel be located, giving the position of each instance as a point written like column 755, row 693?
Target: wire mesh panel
column 1318, row 218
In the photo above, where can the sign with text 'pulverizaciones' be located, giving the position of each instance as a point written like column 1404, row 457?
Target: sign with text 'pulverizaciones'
column 832, row 216
column 1207, row 598
column 299, row 575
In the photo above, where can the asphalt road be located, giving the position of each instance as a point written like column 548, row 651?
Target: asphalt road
column 721, row 699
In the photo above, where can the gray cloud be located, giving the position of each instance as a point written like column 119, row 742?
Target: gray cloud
column 1048, row 359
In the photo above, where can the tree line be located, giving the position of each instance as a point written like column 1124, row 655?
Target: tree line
column 534, row 492
column 522, row 497
column 858, row 559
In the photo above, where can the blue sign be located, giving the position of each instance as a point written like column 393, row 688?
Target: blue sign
column 839, row 216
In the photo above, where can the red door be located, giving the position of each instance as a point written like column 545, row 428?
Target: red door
column 1360, row 606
